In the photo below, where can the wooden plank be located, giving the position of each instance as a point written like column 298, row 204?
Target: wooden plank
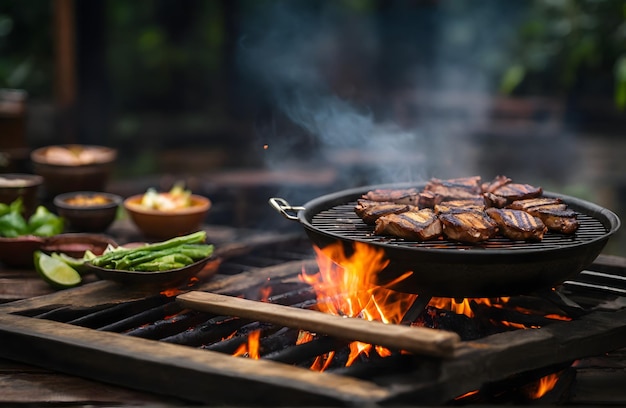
column 419, row 340
column 174, row 370
column 24, row 384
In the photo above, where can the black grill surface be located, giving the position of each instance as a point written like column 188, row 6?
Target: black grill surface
column 342, row 220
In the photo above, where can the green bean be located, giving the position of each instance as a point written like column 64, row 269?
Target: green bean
column 149, row 256
column 194, row 238
column 157, row 266
column 197, row 251
column 164, row 263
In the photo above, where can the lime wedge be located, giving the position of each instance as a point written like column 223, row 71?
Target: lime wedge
column 55, row 272
column 76, row 263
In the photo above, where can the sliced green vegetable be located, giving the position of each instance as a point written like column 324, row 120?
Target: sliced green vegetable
column 158, row 266
column 134, row 253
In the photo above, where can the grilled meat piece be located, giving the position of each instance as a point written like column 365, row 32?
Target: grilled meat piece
column 552, row 212
column 510, row 192
column 494, row 184
column 369, row 211
column 458, row 188
column 492, row 200
column 563, row 221
column 533, row 203
column 517, row 224
column 428, row 199
column 399, row 196
column 477, row 204
column 418, row 225
column 469, row 226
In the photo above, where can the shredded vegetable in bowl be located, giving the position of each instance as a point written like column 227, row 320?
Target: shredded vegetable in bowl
column 178, row 197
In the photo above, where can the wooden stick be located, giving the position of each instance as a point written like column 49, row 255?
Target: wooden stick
column 419, row 340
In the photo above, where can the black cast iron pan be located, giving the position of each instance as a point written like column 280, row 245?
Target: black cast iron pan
column 498, row 267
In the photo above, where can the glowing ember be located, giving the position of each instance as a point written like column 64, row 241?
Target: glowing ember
column 192, row 281
column 466, row 395
column 516, row 325
column 558, row 317
column 171, row 292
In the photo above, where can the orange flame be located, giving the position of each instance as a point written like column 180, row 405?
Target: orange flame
column 251, row 349
column 463, row 306
column 346, row 286
column 543, row 386
column 265, row 293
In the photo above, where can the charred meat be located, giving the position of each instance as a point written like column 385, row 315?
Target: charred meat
column 369, row 211
column 532, row 204
column 476, row 204
column 469, row 226
column 454, row 189
column 408, row 196
column 428, row 199
column 517, row 224
column 466, row 209
column 418, row 225
column 492, row 200
column 510, row 192
column 495, row 184
column 552, row 212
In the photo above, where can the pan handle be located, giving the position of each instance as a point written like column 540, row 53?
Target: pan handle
column 282, row 206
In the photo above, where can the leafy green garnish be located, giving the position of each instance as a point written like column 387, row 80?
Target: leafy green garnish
column 42, row 223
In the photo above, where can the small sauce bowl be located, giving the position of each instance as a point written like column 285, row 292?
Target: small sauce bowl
column 88, row 211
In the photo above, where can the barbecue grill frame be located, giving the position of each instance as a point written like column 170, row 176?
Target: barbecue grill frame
column 461, row 271
column 209, row 377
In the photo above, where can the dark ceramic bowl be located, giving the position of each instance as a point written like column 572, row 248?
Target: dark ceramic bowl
column 167, row 224
column 85, row 168
column 159, row 279
column 75, row 245
column 88, row 211
column 16, row 185
column 18, row 252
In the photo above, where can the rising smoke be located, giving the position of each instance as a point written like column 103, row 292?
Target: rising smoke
column 360, row 85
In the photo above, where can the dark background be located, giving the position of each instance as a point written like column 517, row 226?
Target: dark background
column 329, row 94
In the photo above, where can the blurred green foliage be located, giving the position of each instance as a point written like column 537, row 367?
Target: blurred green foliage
column 564, row 44
column 173, row 46
column 561, row 45
column 26, row 48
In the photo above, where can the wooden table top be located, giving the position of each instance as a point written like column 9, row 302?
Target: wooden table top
column 22, row 384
